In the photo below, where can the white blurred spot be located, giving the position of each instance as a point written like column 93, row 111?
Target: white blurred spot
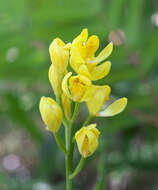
column 27, row 100
column 42, row 186
column 154, row 19
column 117, row 37
column 11, row 162
column 12, row 54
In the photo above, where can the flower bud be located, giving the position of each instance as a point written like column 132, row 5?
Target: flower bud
column 87, row 140
column 51, row 114
column 55, row 80
column 59, row 53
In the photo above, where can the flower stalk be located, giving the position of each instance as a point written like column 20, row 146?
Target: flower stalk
column 78, row 168
column 88, row 120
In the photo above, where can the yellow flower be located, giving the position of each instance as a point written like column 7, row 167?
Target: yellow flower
column 55, row 80
column 76, row 87
column 66, row 105
column 51, row 114
column 83, row 59
column 115, row 108
column 59, row 53
column 99, row 95
column 87, row 140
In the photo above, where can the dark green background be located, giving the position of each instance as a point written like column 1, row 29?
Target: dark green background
column 128, row 153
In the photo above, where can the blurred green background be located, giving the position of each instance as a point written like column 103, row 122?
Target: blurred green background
column 127, row 157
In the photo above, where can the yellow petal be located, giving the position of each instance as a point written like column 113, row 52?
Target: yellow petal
column 98, row 97
column 67, row 46
column 115, row 108
column 83, row 70
column 84, row 34
column 79, row 137
column 91, row 145
column 104, row 53
column 93, row 128
column 55, row 80
column 92, row 45
column 58, row 42
column 85, row 147
column 75, row 60
column 78, row 86
column 89, row 93
column 101, row 70
column 65, row 85
column 82, row 37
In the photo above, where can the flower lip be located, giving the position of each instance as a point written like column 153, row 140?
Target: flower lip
column 76, row 87
column 115, row 108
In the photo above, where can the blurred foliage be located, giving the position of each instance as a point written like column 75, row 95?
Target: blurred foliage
column 129, row 141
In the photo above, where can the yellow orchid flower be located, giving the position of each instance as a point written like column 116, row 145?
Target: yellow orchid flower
column 59, row 54
column 99, row 95
column 55, row 80
column 87, row 140
column 66, row 106
column 83, row 59
column 76, row 87
column 115, row 108
column 51, row 114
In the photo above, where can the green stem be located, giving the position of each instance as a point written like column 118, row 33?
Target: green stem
column 60, row 143
column 88, row 120
column 65, row 123
column 78, row 168
column 73, row 119
column 67, row 160
column 70, row 146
